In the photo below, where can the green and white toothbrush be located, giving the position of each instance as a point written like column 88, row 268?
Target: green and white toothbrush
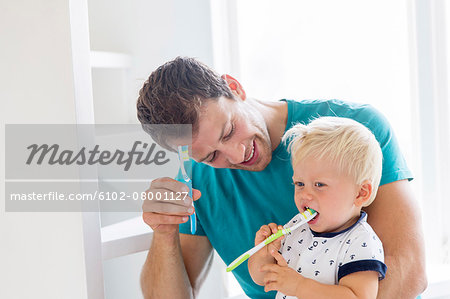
column 308, row 214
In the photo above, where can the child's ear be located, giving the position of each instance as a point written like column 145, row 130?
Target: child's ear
column 235, row 86
column 365, row 190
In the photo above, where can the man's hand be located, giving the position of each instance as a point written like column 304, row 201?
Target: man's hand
column 164, row 216
column 175, row 265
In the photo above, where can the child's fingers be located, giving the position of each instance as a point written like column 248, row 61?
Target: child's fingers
column 279, row 258
column 259, row 237
column 265, row 230
column 271, row 286
column 270, row 277
column 277, row 243
column 262, row 234
column 273, row 227
column 269, row 268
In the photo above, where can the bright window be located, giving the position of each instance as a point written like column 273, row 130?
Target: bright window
column 376, row 52
column 349, row 50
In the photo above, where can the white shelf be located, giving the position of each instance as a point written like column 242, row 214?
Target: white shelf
column 112, row 60
column 126, row 237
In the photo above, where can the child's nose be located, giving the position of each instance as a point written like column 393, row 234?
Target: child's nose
column 306, row 194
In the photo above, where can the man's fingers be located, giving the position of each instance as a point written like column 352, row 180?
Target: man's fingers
column 153, row 219
column 196, row 194
column 167, row 207
column 168, row 184
column 166, row 195
column 165, row 201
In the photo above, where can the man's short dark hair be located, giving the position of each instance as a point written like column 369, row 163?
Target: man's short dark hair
column 174, row 93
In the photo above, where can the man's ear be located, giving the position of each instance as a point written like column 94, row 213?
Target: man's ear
column 365, row 190
column 235, row 86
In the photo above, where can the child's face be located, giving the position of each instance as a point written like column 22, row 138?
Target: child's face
column 321, row 186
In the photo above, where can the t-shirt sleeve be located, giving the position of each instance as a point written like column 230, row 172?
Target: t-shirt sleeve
column 394, row 164
column 364, row 252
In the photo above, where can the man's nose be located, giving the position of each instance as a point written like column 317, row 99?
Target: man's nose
column 235, row 154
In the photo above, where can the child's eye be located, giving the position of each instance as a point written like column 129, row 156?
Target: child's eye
column 299, row 184
column 318, row 184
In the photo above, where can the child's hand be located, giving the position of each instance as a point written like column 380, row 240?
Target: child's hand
column 264, row 232
column 280, row 277
column 263, row 256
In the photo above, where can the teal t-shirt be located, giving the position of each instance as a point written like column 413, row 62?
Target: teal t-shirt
column 236, row 203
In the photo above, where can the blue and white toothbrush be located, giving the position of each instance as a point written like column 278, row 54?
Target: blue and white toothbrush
column 183, row 156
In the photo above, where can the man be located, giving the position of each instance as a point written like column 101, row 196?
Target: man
column 243, row 174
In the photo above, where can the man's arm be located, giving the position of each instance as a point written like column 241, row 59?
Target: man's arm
column 395, row 217
column 198, row 257
column 175, row 262
column 176, row 265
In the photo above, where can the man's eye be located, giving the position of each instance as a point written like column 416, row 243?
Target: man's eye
column 213, row 157
column 230, row 134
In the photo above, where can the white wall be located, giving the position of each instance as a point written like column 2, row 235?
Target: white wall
column 41, row 254
column 151, row 33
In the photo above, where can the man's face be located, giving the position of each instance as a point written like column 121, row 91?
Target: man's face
column 232, row 134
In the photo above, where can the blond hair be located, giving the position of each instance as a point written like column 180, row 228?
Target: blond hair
column 344, row 142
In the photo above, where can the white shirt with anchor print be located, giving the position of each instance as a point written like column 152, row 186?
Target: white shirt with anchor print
column 327, row 257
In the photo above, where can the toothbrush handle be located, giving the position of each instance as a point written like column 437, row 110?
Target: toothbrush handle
column 192, row 218
column 308, row 215
column 246, row 255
